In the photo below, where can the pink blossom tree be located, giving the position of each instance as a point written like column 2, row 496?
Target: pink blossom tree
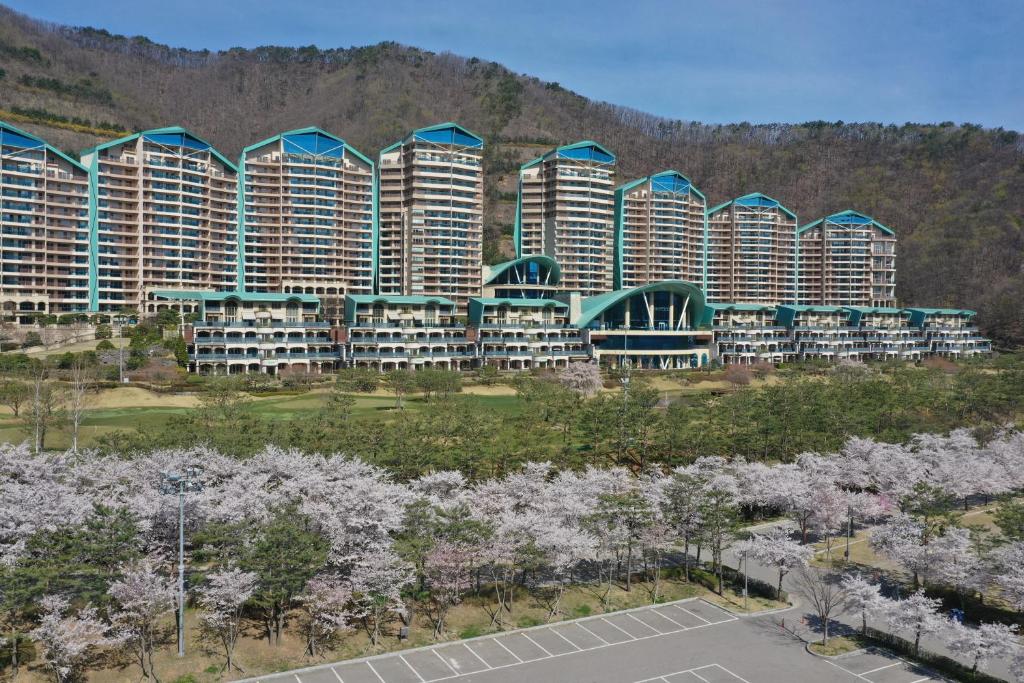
column 377, row 584
column 326, row 610
column 917, row 614
column 983, row 643
column 447, row 568
column 142, row 598
column 70, row 642
column 582, row 378
column 221, row 600
column 865, row 597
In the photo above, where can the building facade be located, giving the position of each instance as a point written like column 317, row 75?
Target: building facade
column 566, row 210
column 431, row 214
column 751, row 252
column 528, row 277
column 164, row 216
column 44, row 225
column 847, row 259
column 659, row 231
column 307, row 216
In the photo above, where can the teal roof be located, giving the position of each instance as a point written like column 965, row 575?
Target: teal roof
column 170, row 130
column 848, row 217
column 520, row 303
column 664, row 174
column 470, row 138
column 802, row 308
column 492, row 272
column 398, row 299
column 943, row 311
column 750, row 199
column 270, row 297
column 43, row 143
column 739, row 307
column 875, row 309
column 309, row 129
column 593, row 306
column 561, row 150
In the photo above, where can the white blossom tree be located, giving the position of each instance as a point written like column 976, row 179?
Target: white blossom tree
column 774, row 548
column 377, row 584
column 582, row 378
column 447, row 568
column 918, row 614
column 983, row 643
column 142, row 598
column 901, row 539
column 70, row 641
column 221, row 600
column 327, row 610
column 866, row 598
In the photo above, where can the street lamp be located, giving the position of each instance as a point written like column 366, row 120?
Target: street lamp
column 119, row 319
column 171, row 483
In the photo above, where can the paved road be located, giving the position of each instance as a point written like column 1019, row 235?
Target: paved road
column 689, row 641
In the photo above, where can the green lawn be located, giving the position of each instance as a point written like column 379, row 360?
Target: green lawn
column 104, row 420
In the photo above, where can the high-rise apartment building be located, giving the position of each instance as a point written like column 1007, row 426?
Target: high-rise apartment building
column 659, row 231
column 751, row 252
column 44, row 223
column 431, row 214
column 165, row 216
column 307, row 215
column 566, row 210
column 847, row 259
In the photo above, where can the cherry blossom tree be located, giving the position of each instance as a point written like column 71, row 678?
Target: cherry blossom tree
column 447, row 567
column 865, row 597
column 69, row 642
column 774, row 548
column 582, row 378
column 916, row 613
column 377, row 584
column 983, row 643
column 142, row 598
column 327, row 609
column 901, row 539
column 1007, row 572
column 954, row 562
column 826, row 595
column 221, row 600
column 682, row 500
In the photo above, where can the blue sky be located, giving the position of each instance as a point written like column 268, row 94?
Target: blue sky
column 716, row 61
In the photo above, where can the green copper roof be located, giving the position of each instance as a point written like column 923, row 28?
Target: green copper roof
column 754, row 196
column 398, row 299
column 876, row 309
column 802, row 308
column 309, row 129
column 740, row 307
column 520, row 303
column 49, row 147
column 593, row 306
column 943, row 311
column 492, row 272
column 205, row 296
column 844, row 217
column 161, row 131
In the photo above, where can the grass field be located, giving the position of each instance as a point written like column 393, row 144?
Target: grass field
column 130, row 408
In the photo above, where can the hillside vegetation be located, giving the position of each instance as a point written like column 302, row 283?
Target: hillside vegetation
column 954, row 193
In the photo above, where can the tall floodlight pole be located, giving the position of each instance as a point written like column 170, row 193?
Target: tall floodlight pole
column 183, row 483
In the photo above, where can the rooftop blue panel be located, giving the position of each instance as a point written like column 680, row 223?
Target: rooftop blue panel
column 757, row 200
column 177, row 140
column 669, row 182
column 588, row 153
column 449, row 136
column 9, row 138
column 315, row 144
column 850, row 219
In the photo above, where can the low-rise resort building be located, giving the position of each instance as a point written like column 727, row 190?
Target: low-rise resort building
column 307, row 256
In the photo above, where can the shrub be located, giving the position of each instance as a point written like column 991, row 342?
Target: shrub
column 471, row 631
column 103, row 331
column 105, row 345
column 32, row 339
column 737, row 375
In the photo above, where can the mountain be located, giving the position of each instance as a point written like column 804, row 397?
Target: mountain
column 954, row 193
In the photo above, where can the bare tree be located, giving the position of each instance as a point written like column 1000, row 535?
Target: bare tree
column 44, row 407
column 83, row 384
column 826, row 594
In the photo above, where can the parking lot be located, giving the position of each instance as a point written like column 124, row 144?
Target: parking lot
column 689, row 641
column 881, row 667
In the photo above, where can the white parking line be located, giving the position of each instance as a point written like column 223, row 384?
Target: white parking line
column 593, row 634
column 336, row 675
column 477, row 656
column 697, row 616
column 632, row 637
column 379, row 677
column 667, row 618
column 864, row 677
column 693, row 671
column 498, row 641
column 450, row 667
column 647, row 626
column 571, row 644
column 417, row 673
column 544, row 649
column 887, row 666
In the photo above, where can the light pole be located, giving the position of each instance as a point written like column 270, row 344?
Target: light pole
column 181, row 484
column 849, row 531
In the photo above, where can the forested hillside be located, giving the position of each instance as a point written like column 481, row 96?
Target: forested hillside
column 953, row 193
